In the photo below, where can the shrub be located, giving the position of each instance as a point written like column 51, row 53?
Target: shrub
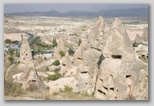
column 68, row 89
column 54, row 76
column 62, row 53
column 11, row 52
column 84, row 93
column 56, row 63
column 8, row 41
column 135, row 44
column 71, row 51
column 17, row 53
column 15, row 42
column 11, row 59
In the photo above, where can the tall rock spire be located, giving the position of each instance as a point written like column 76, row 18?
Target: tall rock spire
column 29, row 77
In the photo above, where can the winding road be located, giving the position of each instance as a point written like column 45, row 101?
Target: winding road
column 31, row 36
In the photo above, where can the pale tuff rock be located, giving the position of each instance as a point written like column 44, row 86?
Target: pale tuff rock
column 85, row 77
column 29, row 76
column 60, row 46
column 98, row 34
column 119, row 72
column 116, row 79
column 66, row 64
column 145, row 34
column 83, row 80
column 56, row 86
column 141, row 88
column 25, row 52
column 117, row 24
column 85, row 58
column 78, row 55
column 118, row 42
column 72, row 71
column 138, row 39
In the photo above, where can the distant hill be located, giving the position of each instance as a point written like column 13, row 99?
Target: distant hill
column 133, row 12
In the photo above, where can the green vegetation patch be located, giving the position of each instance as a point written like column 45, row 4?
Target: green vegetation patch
column 62, row 53
column 54, row 77
column 71, row 51
column 56, row 63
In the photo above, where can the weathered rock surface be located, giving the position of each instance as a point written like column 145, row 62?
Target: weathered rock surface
column 29, row 77
column 60, row 46
column 56, row 86
column 119, row 71
column 145, row 34
column 139, row 39
column 25, row 52
column 66, row 64
column 105, row 63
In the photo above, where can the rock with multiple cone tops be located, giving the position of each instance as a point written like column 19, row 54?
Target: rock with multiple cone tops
column 104, row 65
column 110, row 71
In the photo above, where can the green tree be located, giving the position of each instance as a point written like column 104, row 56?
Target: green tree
column 15, row 41
column 17, row 53
column 8, row 41
column 11, row 59
column 11, row 52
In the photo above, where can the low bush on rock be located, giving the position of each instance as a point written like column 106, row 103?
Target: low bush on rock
column 71, row 51
column 56, row 63
column 62, row 53
column 54, row 77
column 68, row 89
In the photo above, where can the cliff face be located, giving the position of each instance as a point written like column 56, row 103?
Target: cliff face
column 107, row 65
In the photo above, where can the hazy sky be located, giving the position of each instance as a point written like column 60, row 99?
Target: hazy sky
column 11, row 8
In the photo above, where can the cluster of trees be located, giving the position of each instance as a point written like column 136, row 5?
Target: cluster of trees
column 9, row 41
column 13, row 53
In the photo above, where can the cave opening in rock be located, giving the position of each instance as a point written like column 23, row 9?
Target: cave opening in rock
column 84, row 72
column 100, row 60
column 63, row 64
column 128, row 76
column 116, row 56
column 101, row 91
